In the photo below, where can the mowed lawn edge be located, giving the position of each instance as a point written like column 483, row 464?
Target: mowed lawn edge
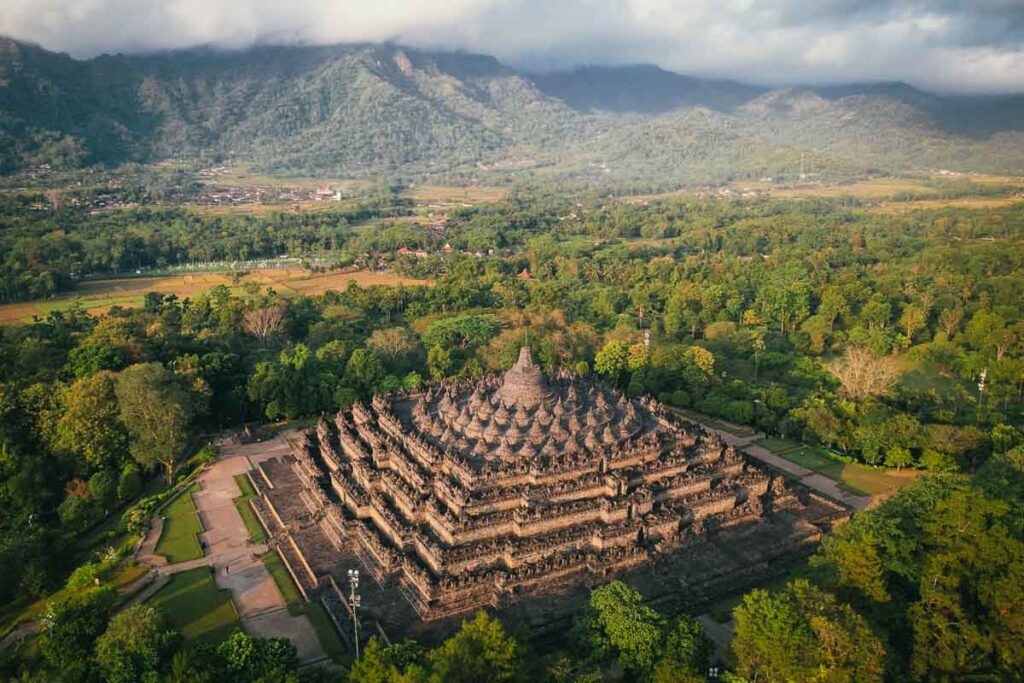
column 194, row 605
column 856, row 478
column 252, row 524
column 179, row 540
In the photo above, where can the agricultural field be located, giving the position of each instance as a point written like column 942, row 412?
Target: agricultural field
column 895, row 207
column 873, row 188
column 467, row 195
column 304, row 206
column 97, row 296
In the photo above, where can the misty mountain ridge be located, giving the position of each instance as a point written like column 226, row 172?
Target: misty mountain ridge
column 350, row 110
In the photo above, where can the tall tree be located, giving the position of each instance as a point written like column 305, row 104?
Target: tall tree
column 134, row 645
column 616, row 623
column 802, row 633
column 481, row 651
column 862, row 373
column 91, row 423
column 157, row 411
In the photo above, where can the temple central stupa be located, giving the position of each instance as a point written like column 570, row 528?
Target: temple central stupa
column 473, row 492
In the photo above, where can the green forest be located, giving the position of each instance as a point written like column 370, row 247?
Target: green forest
column 888, row 340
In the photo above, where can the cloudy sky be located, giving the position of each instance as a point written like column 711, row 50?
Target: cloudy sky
column 946, row 45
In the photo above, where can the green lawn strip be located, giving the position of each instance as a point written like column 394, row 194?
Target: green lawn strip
column 853, row 477
column 316, row 612
column 867, row 481
column 778, row 446
column 244, row 485
column 816, row 460
column 179, row 541
column 194, row 606
column 326, row 632
column 715, row 423
column 126, row 574
column 285, row 582
column 252, row 523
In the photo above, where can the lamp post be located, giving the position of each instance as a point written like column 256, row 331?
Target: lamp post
column 354, row 601
column 981, row 392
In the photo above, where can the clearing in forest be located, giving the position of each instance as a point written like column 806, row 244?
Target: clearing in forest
column 97, row 296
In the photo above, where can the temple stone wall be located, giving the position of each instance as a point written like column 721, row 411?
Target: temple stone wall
column 471, row 494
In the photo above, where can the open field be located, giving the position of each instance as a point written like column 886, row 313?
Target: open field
column 469, row 195
column 305, row 206
column 97, row 296
column 959, row 203
column 241, row 176
column 989, row 179
column 873, row 188
column 179, row 541
column 856, row 478
column 195, row 606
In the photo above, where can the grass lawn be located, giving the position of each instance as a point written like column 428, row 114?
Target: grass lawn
column 924, row 376
column 326, row 633
column 179, row 541
column 855, row 478
column 285, row 583
column 195, row 606
column 128, row 574
column 252, row 523
column 317, row 614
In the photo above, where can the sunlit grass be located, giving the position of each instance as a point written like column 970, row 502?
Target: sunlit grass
column 179, row 541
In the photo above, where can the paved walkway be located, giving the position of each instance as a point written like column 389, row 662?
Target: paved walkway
column 809, row 478
column 259, row 603
column 812, row 480
column 146, row 554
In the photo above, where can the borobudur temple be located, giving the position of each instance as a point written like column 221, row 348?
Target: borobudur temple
column 476, row 493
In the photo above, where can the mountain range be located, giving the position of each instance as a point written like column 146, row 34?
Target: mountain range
column 360, row 109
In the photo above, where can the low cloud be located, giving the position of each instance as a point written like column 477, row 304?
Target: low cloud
column 968, row 46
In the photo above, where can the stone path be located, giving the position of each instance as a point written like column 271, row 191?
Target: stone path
column 146, row 554
column 817, row 482
column 261, row 608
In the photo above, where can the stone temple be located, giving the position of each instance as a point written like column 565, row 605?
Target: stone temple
column 494, row 492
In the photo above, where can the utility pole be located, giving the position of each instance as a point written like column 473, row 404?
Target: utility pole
column 354, row 601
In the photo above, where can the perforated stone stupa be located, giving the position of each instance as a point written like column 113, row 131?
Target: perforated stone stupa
column 471, row 493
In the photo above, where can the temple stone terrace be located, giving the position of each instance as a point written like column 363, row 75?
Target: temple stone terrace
column 489, row 493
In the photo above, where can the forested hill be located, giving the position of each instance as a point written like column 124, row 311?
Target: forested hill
column 354, row 109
